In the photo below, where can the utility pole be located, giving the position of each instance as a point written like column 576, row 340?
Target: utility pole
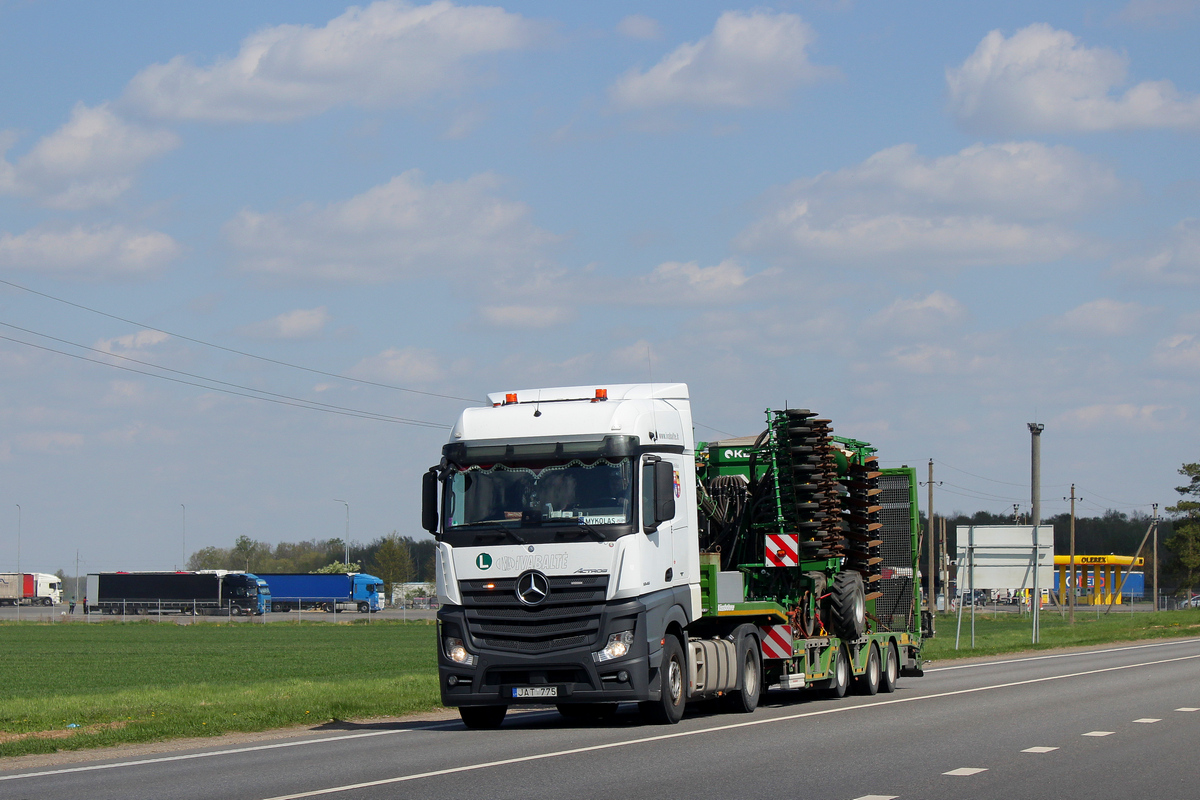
column 76, row 595
column 20, row 577
column 1155, row 557
column 184, row 562
column 1073, row 579
column 347, row 505
column 932, row 588
column 1035, row 475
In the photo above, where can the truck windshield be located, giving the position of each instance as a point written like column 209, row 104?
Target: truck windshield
column 534, row 494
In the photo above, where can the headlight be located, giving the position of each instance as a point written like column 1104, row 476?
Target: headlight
column 456, row 651
column 618, row 646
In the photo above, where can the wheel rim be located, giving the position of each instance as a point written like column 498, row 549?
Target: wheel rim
column 893, row 668
column 750, row 676
column 675, row 682
column 860, row 608
column 873, row 667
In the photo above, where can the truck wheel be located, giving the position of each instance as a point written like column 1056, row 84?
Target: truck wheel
column 868, row 682
column 745, row 700
column 891, row 670
column 46, row 601
column 668, row 709
column 363, row 608
column 847, row 606
column 587, row 710
column 840, row 680
column 482, row 717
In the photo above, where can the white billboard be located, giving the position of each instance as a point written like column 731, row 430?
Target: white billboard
column 1001, row 556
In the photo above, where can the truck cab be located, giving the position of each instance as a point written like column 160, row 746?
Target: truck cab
column 566, row 530
column 367, row 592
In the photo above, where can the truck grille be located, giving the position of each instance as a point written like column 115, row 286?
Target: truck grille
column 568, row 617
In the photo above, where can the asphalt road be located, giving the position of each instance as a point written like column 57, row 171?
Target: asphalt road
column 60, row 614
column 1110, row 722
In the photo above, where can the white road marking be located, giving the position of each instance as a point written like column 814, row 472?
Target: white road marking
column 1097, row 733
column 1185, row 708
column 1039, row 749
column 1059, row 655
column 1148, row 720
column 963, row 772
column 878, row 797
column 209, row 754
column 716, row 729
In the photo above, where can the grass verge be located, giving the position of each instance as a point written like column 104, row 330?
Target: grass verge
column 1011, row 633
column 68, row 687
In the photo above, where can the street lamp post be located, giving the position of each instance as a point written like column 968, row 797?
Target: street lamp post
column 20, row 576
column 184, row 562
column 347, row 541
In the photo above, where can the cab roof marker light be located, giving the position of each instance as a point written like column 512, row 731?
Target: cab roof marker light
column 510, row 397
column 601, row 394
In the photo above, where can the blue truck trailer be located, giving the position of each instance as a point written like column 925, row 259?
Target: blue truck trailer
column 355, row 591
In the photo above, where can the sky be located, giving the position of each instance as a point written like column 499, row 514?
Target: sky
column 256, row 257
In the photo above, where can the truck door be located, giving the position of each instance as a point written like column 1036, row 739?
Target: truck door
column 659, row 564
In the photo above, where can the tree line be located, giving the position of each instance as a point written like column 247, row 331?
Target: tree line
column 393, row 558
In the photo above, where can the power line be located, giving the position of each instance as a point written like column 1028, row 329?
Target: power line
column 289, row 401
column 1118, row 502
column 233, row 350
column 718, row 430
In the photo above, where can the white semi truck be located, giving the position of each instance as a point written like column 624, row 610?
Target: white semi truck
column 30, row 588
column 590, row 553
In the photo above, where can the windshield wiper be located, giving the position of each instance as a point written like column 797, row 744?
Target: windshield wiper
column 494, row 526
column 583, row 525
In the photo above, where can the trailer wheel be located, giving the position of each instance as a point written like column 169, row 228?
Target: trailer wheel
column 745, row 700
column 868, row 682
column 847, row 606
column 482, row 717
column 840, row 680
column 891, row 670
column 668, row 709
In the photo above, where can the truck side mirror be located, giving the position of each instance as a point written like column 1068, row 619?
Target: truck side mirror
column 429, row 498
column 664, row 491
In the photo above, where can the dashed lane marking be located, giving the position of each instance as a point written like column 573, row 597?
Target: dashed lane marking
column 1148, row 720
column 963, row 772
column 1039, row 749
column 1097, row 733
column 1185, row 708
column 878, row 797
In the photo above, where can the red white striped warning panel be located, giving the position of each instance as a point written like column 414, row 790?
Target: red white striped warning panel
column 776, row 641
column 783, row 549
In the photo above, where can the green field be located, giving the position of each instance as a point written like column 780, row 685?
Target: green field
column 144, row 681
column 1010, row 633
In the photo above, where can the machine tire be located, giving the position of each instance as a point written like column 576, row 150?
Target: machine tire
column 745, row 700
column 482, row 717
column 592, row 711
column 847, row 606
column 868, row 682
column 840, row 680
column 672, row 683
column 890, row 675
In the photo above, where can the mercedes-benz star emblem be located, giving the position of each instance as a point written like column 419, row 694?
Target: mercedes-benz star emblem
column 532, row 587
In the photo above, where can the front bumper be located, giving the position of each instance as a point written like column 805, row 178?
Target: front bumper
column 572, row 673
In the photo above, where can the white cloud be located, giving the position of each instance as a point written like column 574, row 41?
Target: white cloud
column 1181, row 351
column 401, row 229
column 142, row 340
column 750, row 59
column 1042, row 79
column 381, row 56
column 1176, row 260
column 689, row 282
column 920, row 315
column 527, row 316
column 639, row 26
column 303, row 323
column 90, row 161
column 987, row 204
column 401, row 365
column 97, row 250
column 1104, row 317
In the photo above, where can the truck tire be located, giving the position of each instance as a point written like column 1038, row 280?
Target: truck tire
column 745, row 700
column 482, row 717
column 364, row 608
column 668, row 709
column 46, row 601
column 891, row 670
column 587, row 710
column 847, row 606
column 840, row 679
column 868, row 682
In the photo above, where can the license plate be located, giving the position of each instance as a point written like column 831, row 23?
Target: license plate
column 535, row 691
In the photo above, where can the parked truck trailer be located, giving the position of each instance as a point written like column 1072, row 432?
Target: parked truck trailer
column 30, row 589
column 355, row 591
column 208, row 593
column 590, row 553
